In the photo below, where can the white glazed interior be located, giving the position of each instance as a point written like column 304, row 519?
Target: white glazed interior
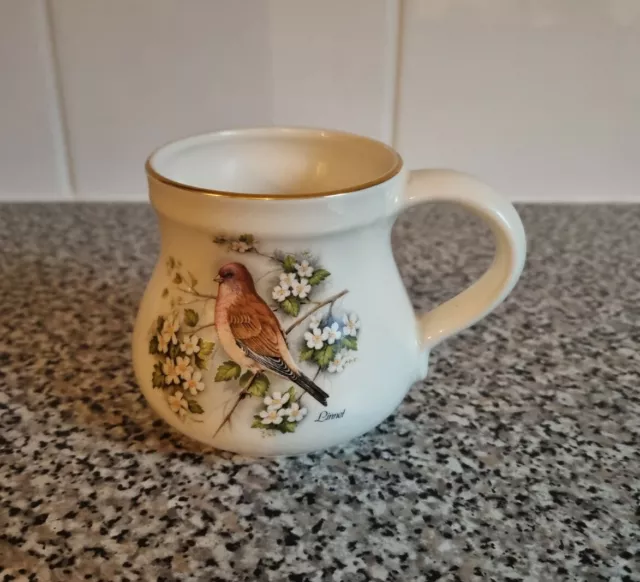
column 276, row 162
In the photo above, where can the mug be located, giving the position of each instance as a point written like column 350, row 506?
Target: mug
column 275, row 321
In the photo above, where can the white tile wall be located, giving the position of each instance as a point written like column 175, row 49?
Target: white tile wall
column 539, row 97
column 182, row 67
column 32, row 157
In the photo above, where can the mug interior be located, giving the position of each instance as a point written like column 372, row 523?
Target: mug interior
column 275, row 162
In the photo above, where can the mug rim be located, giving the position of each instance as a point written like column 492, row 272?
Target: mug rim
column 316, row 132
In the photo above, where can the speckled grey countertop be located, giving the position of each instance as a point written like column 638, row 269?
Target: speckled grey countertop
column 517, row 460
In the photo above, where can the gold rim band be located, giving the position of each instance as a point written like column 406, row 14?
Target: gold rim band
column 393, row 171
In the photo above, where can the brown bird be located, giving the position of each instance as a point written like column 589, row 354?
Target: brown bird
column 250, row 333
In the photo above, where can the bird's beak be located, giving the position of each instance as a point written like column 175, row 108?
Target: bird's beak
column 218, row 279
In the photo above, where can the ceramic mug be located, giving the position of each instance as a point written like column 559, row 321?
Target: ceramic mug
column 275, row 321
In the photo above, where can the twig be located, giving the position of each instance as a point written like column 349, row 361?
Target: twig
column 199, row 300
column 207, row 325
column 227, row 418
column 320, row 305
column 267, row 273
column 271, row 257
column 243, row 394
column 191, row 291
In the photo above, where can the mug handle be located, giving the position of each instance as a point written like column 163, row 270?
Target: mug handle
column 491, row 289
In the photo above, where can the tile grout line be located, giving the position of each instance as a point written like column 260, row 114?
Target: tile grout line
column 390, row 69
column 398, row 57
column 60, row 128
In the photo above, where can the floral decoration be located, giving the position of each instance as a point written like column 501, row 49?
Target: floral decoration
column 281, row 412
column 331, row 341
column 182, row 356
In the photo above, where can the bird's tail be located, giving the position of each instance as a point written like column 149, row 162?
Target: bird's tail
column 311, row 388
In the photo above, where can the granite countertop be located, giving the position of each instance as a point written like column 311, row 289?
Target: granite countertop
column 518, row 459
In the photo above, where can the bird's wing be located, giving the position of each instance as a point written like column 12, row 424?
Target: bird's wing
column 255, row 327
column 257, row 332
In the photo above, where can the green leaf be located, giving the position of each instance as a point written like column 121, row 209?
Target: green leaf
column 157, row 379
column 324, row 356
column 291, row 306
column 177, row 279
column 153, row 345
column 160, row 323
column 260, row 386
column 289, row 264
column 171, row 263
column 246, row 378
column 174, row 351
column 286, row 426
column 318, row 276
column 192, row 279
column 247, row 238
column 292, row 393
column 201, row 363
column 195, row 407
column 350, row 343
column 191, row 318
column 206, row 348
column 228, row 370
column 165, row 292
column 306, row 353
column 257, row 422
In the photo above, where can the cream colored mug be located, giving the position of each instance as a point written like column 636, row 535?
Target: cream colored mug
column 275, row 321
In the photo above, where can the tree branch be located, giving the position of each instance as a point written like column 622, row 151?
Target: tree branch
column 207, row 325
column 227, row 417
column 266, row 274
column 193, row 301
column 271, row 257
column 193, row 292
column 331, row 300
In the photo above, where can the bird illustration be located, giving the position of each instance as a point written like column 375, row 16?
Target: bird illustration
column 250, row 332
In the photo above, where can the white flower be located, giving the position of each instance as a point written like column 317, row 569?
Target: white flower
column 169, row 328
column 183, row 366
column 294, row 413
column 190, row 345
column 338, row 363
column 175, row 319
column 350, row 356
column 163, row 345
column 314, row 338
column 193, row 382
column 304, row 269
column 276, row 401
column 315, row 321
column 271, row 416
column 171, row 375
column 351, row 324
column 280, row 293
column 240, row 246
column 288, row 280
column 301, row 288
column 178, row 403
column 331, row 334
